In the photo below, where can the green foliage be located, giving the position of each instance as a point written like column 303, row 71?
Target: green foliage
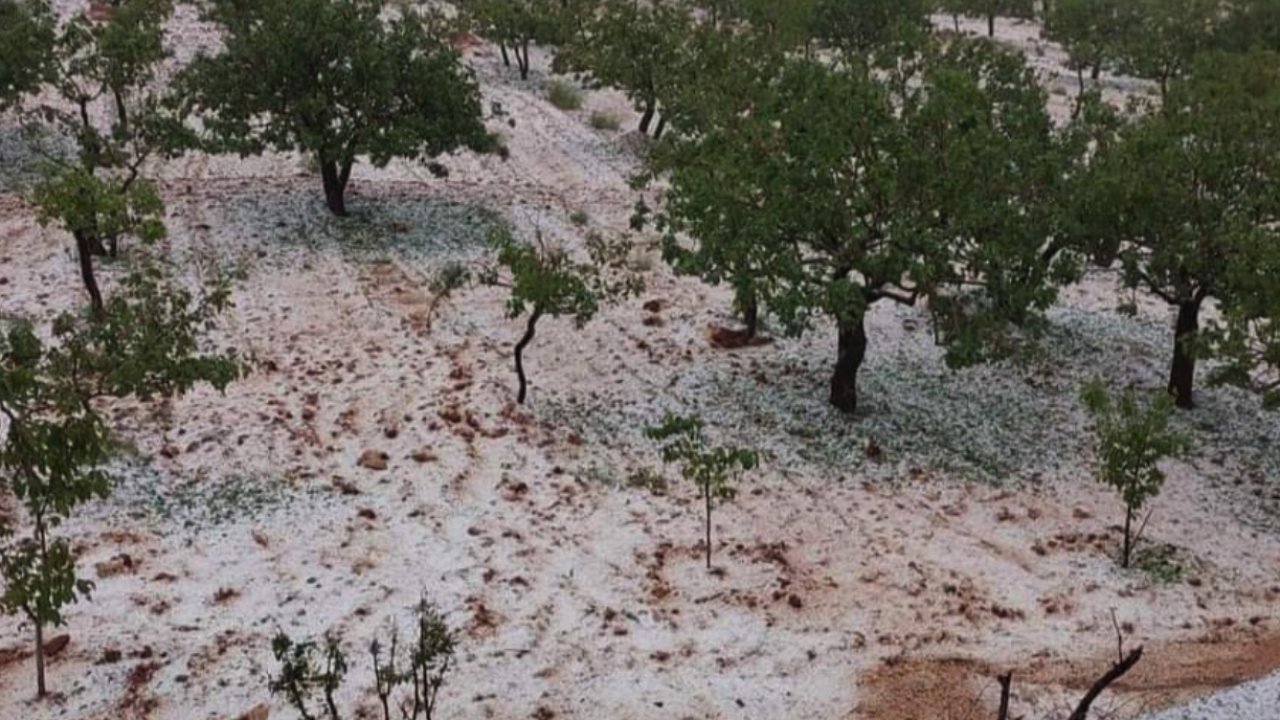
column 1161, row 38
column 564, row 95
column 840, row 186
column 301, row 676
column 1251, row 25
column 990, row 9
column 107, row 208
column 57, row 443
column 1185, row 193
column 712, row 469
column 26, row 46
column 514, row 24
column 407, row 684
column 1132, row 439
column 107, row 69
column 859, row 28
column 635, row 47
column 544, row 279
column 1091, row 31
column 394, row 87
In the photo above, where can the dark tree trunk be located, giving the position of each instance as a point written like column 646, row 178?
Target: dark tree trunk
column 520, row 346
column 85, row 253
column 662, row 125
column 1096, row 72
column 991, row 26
column 506, row 59
column 41, row 691
column 335, row 180
column 1182, row 373
column 706, row 495
column 649, row 109
column 1127, row 552
column 751, row 316
column 522, row 59
column 852, row 351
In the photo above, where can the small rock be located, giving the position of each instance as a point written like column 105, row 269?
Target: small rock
column 373, row 460
column 345, row 486
column 259, row 712
column 424, row 455
column 56, row 644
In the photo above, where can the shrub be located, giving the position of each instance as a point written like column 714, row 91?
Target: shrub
column 564, row 95
column 604, row 121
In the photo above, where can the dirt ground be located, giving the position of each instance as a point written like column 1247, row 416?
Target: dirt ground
column 876, row 568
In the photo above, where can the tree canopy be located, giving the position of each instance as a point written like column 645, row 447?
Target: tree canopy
column 1187, row 190
column 335, row 81
column 26, row 44
column 843, row 187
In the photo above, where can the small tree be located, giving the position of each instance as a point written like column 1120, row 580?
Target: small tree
column 57, row 443
column 545, row 280
column 635, row 47
column 1186, row 193
column 1091, row 31
column 308, row 682
column 335, row 81
column 301, row 676
column 514, row 25
column 712, row 469
column 107, row 69
column 26, row 46
column 1132, row 439
column 1161, row 38
column 990, row 10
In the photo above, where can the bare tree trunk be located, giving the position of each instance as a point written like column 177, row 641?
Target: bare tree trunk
column 1115, row 673
column 1128, row 537
column 852, row 350
column 84, row 253
column 662, row 125
column 506, row 60
column 751, row 316
column 1182, row 372
column 706, row 494
column 1005, row 680
column 649, row 109
column 335, row 186
column 991, row 25
column 522, row 59
column 520, row 346
column 41, row 691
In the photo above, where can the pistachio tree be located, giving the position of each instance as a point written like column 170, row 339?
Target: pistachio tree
column 56, row 445
column 1091, row 31
column 1133, row 437
column 100, row 194
column 26, row 46
column 514, row 25
column 844, row 187
column 635, row 47
column 1161, row 38
column 712, row 468
column 991, row 9
column 336, row 81
column 1185, row 191
column 544, row 280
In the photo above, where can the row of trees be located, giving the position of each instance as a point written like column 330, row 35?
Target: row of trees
column 982, row 244
column 828, row 156
column 927, row 171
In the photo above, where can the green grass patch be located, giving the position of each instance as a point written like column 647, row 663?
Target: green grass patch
column 564, row 95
